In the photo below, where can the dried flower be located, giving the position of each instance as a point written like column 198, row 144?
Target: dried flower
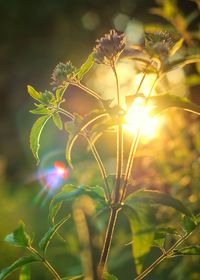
column 159, row 44
column 64, row 72
column 109, row 48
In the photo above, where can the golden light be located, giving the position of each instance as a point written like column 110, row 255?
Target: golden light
column 139, row 117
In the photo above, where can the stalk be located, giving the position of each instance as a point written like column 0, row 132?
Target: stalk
column 115, row 207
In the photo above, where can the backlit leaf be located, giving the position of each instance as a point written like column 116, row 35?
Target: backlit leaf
column 34, row 93
column 25, row 273
column 19, row 237
column 17, row 264
column 57, row 120
column 86, row 66
column 36, row 133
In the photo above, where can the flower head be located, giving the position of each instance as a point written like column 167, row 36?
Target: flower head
column 159, row 44
column 64, row 72
column 109, row 47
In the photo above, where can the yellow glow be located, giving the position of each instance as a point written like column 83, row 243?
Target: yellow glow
column 139, row 116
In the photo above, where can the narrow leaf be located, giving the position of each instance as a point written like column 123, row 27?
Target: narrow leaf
column 25, row 273
column 108, row 276
column 19, row 237
column 17, row 264
column 57, row 120
column 179, row 63
column 86, row 66
column 156, row 197
column 177, row 46
column 60, row 92
column 33, row 93
column 36, row 133
column 190, row 250
column 50, row 233
column 41, row 111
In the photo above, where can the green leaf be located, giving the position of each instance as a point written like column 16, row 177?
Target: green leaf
column 188, row 223
column 60, row 92
column 33, row 93
column 78, row 128
column 142, row 223
column 70, row 192
column 108, row 276
column 167, row 101
column 41, row 111
column 50, row 233
column 17, row 264
column 25, row 273
column 86, row 66
column 190, row 251
column 78, row 277
column 19, row 237
column 160, row 235
column 36, row 133
column 156, row 197
column 57, row 120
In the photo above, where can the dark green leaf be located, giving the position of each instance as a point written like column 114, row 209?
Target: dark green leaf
column 57, row 120
column 142, row 223
column 36, row 133
column 25, row 273
column 86, row 66
column 17, row 264
column 50, row 233
column 190, row 250
column 188, row 223
column 156, row 197
column 33, row 93
column 19, row 237
column 160, row 235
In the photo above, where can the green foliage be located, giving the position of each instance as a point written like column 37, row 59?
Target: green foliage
column 86, row 66
column 19, row 237
column 188, row 251
column 36, row 133
column 44, row 243
column 17, row 264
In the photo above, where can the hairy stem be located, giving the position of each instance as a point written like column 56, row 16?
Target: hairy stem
column 46, row 263
column 88, row 90
column 162, row 257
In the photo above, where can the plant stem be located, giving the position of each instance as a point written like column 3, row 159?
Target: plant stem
column 45, row 262
column 115, row 207
column 119, row 164
column 96, row 156
column 108, row 240
column 162, row 257
column 86, row 89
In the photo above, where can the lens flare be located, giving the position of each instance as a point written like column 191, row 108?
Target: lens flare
column 139, row 117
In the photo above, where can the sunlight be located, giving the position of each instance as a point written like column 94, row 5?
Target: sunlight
column 139, row 116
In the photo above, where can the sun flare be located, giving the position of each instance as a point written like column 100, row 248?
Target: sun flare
column 139, row 117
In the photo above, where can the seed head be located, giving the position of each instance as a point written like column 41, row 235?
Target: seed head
column 109, row 48
column 63, row 72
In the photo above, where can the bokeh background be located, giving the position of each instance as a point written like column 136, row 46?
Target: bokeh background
column 35, row 36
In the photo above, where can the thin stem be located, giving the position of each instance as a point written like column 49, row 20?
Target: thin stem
column 108, row 240
column 88, row 90
column 162, row 257
column 119, row 164
column 96, row 156
column 45, row 262
column 101, row 167
column 115, row 208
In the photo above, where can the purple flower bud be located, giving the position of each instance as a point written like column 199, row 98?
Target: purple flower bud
column 64, row 72
column 109, row 48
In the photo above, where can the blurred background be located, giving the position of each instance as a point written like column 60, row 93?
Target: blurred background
column 35, row 36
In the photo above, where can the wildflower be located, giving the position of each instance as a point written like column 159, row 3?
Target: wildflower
column 109, row 48
column 160, row 44
column 64, row 72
